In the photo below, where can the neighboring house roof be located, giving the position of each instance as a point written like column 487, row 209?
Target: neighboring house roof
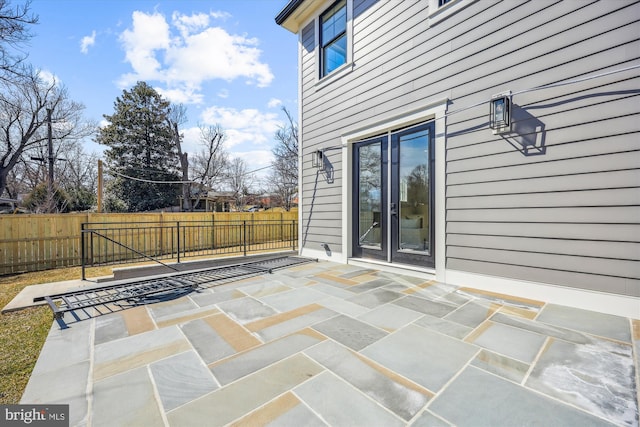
column 213, row 194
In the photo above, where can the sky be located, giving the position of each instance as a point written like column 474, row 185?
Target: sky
column 226, row 61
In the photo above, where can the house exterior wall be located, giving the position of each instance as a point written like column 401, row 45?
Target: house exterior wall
column 557, row 200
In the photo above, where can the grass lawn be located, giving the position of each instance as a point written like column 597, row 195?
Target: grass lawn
column 22, row 333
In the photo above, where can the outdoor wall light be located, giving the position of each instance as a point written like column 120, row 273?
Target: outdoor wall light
column 317, row 159
column 500, row 115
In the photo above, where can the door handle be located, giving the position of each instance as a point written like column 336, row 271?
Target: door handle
column 393, row 209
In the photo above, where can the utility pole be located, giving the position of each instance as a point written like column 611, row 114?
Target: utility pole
column 99, row 208
column 52, row 159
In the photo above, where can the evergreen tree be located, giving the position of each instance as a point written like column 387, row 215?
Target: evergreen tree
column 141, row 145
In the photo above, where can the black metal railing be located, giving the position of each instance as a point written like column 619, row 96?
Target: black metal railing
column 134, row 242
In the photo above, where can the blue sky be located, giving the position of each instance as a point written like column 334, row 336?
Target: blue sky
column 226, row 60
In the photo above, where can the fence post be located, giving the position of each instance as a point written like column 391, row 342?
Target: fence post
column 82, row 250
column 213, row 232
column 178, row 237
column 282, row 239
column 244, row 235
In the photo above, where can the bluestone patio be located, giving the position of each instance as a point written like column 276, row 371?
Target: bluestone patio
column 332, row 344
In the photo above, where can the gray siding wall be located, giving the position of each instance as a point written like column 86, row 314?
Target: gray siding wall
column 556, row 201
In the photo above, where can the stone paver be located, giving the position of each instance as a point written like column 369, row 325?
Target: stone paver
column 512, row 342
column 477, row 398
column 340, row 404
column 333, row 344
column 605, row 325
column 350, row 332
column 181, row 378
column 426, row 357
column 392, row 391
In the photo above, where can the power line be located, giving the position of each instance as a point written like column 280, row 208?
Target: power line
column 149, row 181
column 535, row 88
column 550, row 85
column 541, row 87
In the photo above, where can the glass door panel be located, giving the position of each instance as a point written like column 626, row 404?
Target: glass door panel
column 412, row 196
column 414, row 191
column 369, row 188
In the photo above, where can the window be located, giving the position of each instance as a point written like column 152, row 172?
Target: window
column 442, row 9
column 333, row 37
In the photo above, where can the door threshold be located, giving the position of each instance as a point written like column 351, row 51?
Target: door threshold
column 426, row 273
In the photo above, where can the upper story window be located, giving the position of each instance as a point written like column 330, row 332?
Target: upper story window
column 442, row 9
column 333, row 37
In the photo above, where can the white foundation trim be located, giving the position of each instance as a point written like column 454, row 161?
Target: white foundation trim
column 619, row 305
column 323, row 255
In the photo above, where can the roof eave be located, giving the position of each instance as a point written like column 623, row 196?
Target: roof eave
column 288, row 11
column 293, row 14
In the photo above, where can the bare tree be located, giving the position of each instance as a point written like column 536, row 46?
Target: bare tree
column 210, row 164
column 78, row 176
column 178, row 116
column 22, row 178
column 14, row 31
column 283, row 180
column 239, row 181
column 23, row 128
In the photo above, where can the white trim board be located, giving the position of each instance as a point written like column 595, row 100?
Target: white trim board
column 323, row 255
column 619, row 305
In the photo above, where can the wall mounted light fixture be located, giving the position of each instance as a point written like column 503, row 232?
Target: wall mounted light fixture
column 500, row 113
column 317, row 159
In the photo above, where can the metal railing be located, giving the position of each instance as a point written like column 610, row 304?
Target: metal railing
column 134, row 242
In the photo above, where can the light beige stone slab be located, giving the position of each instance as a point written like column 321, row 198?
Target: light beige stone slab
column 126, row 399
column 118, row 356
column 235, row 400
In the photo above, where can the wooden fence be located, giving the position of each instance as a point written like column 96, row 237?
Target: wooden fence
column 37, row 242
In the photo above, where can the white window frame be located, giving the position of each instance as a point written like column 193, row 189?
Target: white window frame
column 438, row 13
column 345, row 68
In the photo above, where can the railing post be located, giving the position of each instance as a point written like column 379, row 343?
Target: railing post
column 213, row 233
column 178, row 237
column 82, row 250
column 244, row 235
column 293, row 239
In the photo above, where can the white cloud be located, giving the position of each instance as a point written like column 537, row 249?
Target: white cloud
column 48, row 78
column 191, row 142
column 188, row 52
column 87, row 42
column 274, row 103
column 243, row 126
column 189, row 24
column 255, row 158
column 181, row 96
column 218, row 14
column 223, row 93
column 257, row 162
column 149, row 34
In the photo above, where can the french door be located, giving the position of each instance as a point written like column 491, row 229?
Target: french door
column 394, row 197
